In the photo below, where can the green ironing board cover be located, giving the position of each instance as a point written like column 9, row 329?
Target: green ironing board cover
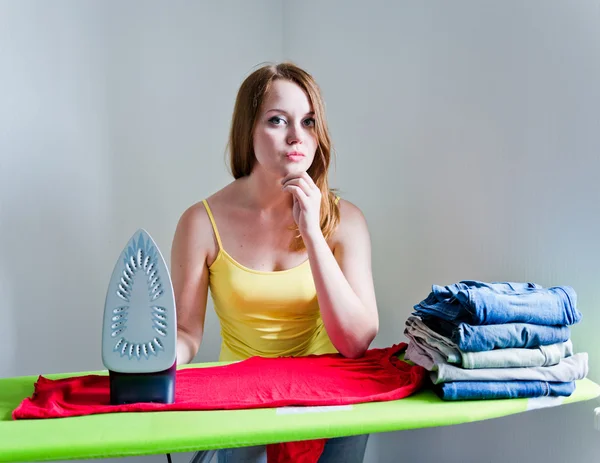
column 128, row 434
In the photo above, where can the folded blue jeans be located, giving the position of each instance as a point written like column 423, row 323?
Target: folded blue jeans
column 480, row 303
column 479, row 338
column 480, row 390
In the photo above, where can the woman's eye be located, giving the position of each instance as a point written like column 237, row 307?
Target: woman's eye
column 310, row 122
column 276, row 120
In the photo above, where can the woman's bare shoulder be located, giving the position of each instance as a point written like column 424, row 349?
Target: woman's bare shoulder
column 195, row 224
column 352, row 222
column 350, row 214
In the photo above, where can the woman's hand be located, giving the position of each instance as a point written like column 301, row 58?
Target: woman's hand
column 307, row 203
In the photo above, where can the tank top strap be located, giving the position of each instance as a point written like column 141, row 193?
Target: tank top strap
column 212, row 221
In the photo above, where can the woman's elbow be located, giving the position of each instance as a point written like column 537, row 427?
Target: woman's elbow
column 357, row 347
column 187, row 346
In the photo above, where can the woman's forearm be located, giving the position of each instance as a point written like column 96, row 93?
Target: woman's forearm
column 350, row 326
column 187, row 348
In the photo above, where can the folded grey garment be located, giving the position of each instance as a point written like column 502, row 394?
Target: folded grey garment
column 568, row 369
column 428, row 356
column 422, row 354
column 439, row 349
column 542, row 356
column 417, row 329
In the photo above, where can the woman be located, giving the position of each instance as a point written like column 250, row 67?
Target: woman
column 287, row 262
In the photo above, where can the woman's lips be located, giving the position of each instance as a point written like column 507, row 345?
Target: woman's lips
column 294, row 156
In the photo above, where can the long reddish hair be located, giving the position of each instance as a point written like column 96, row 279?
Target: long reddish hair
column 241, row 147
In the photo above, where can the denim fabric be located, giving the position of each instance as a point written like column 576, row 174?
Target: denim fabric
column 350, row 449
column 480, row 390
column 253, row 454
column 477, row 338
column 345, row 449
column 480, row 303
column 443, row 327
column 568, row 369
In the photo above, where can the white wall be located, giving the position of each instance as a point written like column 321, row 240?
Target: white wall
column 467, row 132
column 114, row 116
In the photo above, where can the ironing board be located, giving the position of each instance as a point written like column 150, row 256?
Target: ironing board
column 129, row 434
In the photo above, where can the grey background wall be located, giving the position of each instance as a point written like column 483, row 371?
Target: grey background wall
column 467, row 132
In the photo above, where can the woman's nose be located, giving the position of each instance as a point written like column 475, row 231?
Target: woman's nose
column 294, row 136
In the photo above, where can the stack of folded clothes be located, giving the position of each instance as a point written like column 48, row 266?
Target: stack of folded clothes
column 497, row 340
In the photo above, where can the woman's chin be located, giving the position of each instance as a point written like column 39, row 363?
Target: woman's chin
column 294, row 168
column 283, row 170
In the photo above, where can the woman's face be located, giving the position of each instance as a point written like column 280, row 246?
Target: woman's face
column 285, row 140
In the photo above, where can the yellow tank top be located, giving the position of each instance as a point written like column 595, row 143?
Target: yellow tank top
column 267, row 314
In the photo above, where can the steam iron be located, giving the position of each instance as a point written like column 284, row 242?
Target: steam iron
column 139, row 329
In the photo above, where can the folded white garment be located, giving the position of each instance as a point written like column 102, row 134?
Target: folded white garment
column 568, row 369
column 427, row 348
column 514, row 357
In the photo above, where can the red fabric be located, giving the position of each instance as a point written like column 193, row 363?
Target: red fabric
column 307, row 451
column 257, row 382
